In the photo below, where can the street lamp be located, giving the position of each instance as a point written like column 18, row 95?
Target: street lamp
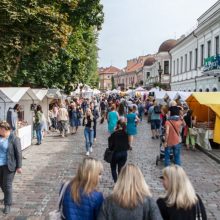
column 160, row 73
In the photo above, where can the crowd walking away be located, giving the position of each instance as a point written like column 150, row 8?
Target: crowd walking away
column 171, row 127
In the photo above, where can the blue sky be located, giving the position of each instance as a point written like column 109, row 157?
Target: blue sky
column 138, row 27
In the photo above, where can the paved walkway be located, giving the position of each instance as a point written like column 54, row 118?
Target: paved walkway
column 36, row 190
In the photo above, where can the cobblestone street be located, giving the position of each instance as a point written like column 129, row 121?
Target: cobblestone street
column 46, row 166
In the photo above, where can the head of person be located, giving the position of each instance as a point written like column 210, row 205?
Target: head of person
column 121, row 109
column 113, row 107
column 134, row 108
column 179, row 190
column 92, row 105
column 16, row 107
column 130, row 109
column 87, row 178
column 4, row 129
column 189, row 112
column 39, row 108
column 164, row 109
column 121, row 125
column 62, row 105
column 172, row 103
column 154, row 102
column 88, row 112
column 130, row 188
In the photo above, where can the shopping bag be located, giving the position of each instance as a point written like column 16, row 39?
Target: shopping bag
column 192, row 131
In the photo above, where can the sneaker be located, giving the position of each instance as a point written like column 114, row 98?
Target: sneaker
column 87, row 153
column 7, row 209
column 90, row 149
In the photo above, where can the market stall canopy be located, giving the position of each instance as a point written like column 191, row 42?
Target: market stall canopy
column 96, row 92
column 182, row 95
column 171, row 94
column 159, row 95
column 54, row 94
column 140, row 89
column 200, row 103
column 15, row 94
column 40, row 93
column 114, row 91
column 156, row 89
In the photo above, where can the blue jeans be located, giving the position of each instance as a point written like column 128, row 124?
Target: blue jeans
column 176, row 153
column 89, row 136
column 119, row 159
column 39, row 135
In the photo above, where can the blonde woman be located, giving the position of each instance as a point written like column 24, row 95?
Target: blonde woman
column 131, row 198
column 81, row 198
column 180, row 201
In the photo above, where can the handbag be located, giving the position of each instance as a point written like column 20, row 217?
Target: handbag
column 192, row 132
column 58, row 213
column 108, row 155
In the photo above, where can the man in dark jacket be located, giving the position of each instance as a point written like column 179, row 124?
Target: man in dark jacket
column 10, row 162
column 95, row 113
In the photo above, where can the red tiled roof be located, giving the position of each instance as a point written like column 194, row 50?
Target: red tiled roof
column 109, row 70
column 134, row 67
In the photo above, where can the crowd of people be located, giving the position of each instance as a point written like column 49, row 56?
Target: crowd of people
column 131, row 197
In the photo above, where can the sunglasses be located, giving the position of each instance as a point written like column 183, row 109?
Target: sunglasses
column 161, row 177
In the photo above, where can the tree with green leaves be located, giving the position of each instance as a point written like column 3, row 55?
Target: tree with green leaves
column 47, row 43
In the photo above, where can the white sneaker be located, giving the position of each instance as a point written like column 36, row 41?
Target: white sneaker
column 87, row 153
column 90, row 149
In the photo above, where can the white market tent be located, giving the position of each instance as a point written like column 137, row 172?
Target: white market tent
column 54, row 94
column 140, row 89
column 96, row 92
column 9, row 96
column 183, row 95
column 40, row 93
column 171, row 95
column 42, row 99
column 156, row 89
column 114, row 91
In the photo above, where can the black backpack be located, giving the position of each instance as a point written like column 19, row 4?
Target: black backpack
column 157, row 109
column 102, row 105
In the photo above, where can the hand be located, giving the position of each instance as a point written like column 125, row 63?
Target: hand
column 19, row 170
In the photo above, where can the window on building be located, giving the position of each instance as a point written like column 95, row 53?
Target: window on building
column 209, row 48
column 177, row 66
column 190, row 60
column 186, row 62
column 207, row 90
column 194, row 90
column 217, row 45
column 196, row 58
column 148, row 74
column 174, row 68
column 202, row 55
column 214, row 90
column 166, row 67
column 181, row 67
column 200, row 90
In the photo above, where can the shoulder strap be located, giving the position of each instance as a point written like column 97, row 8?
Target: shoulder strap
column 174, row 128
column 61, row 196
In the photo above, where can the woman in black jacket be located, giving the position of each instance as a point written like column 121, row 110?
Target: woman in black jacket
column 180, row 201
column 118, row 142
column 10, row 162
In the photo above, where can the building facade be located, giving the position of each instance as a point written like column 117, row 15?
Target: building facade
column 132, row 75
column 195, row 58
column 105, row 77
column 162, row 61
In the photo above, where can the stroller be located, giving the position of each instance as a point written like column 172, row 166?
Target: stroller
column 161, row 156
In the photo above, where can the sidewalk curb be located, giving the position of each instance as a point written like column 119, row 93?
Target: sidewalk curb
column 209, row 154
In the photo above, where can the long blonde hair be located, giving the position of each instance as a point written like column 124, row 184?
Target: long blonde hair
column 86, row 179
column 130, row 188
column 180, row 192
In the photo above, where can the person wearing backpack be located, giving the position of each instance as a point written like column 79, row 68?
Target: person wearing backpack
column 155, row 112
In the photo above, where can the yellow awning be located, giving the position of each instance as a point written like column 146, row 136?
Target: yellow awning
column 206, row 106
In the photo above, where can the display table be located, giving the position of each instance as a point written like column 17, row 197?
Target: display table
column 25, row 136
column 203, row 136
